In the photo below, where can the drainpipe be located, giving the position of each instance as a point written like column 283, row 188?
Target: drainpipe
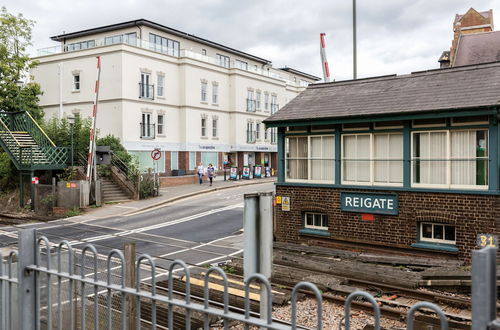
column 61, row 67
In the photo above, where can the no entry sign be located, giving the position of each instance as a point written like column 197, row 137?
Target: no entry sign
column 34, row 180
column 156, row 154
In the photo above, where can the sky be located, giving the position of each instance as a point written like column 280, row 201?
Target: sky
column 394, row 36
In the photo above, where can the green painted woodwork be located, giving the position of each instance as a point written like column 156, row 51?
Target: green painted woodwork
column 27, row 145
column 435, row 246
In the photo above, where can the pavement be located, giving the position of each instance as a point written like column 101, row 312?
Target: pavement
column 167, row 195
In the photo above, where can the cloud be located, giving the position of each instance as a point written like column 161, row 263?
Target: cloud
column 394, row 36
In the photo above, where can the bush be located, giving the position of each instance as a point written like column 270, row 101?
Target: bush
column 147, row 187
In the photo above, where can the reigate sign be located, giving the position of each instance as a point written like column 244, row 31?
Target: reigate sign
column 369, row 203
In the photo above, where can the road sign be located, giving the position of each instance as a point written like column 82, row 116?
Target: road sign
column 156, row 154
column 34, row 180
column 285, row 203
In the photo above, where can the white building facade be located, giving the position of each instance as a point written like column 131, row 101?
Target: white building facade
column 195, row 100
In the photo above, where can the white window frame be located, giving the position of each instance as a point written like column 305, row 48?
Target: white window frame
column 257, row 100
column 203, row 127
column 223, row 60
column 214, row 127
column 266, row 101
column 172, row 163
column 215, row 94
column 160, row 124
column 309, row 159
column 436, row 240
column 314, row 214
column 204, row 87
column 257, row 131
column 160, row 92
column 448, row 160
column 371, row 159
column 76, row 84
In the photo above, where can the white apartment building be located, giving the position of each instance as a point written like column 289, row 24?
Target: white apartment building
column 194, row 99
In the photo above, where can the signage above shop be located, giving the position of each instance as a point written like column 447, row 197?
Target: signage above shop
column 369, row 203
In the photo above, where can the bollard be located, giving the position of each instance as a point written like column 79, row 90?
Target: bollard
column 484, row 287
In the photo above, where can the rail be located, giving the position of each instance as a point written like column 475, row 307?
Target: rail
column 42, row 285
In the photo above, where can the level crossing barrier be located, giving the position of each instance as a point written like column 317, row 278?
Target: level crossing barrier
column 59, row 286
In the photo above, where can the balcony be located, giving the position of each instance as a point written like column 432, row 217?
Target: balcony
column 172, row 52
column 274, row 107
column 251, row 136
column 146, row 91
column 147, row 131
column 250, row 105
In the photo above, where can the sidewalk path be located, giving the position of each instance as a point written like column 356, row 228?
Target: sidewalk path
column 167, row 195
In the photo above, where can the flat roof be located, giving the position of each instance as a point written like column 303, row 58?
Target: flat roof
column 456, row 88
column 145, row 22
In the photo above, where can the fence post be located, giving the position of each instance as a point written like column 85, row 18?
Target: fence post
column 484, row 287
column 27, row 284
column 130, row 283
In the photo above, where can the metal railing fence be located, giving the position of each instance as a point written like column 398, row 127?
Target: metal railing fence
column 59, row 286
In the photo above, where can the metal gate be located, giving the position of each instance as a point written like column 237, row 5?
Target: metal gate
column 48, row 286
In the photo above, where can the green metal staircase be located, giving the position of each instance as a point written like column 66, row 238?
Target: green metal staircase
column 27, row 145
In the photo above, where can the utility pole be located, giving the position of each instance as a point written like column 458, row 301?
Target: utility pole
column 354, row 50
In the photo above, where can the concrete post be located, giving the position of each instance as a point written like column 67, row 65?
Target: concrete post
column 251, row 239
column 484, row 287
column 265, row 244
column 27, row 284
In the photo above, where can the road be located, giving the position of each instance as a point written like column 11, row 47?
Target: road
column 200, row 230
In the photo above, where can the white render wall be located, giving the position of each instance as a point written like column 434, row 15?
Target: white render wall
column 120, row 107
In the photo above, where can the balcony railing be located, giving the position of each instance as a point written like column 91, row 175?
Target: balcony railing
column 251, row 136
column 147, row 131
column 250, row 105
column 274, row 107
column 146, row 91
column 173, row 52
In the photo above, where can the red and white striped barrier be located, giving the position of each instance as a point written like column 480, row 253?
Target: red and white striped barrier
column 91, row 154
column 324, row 61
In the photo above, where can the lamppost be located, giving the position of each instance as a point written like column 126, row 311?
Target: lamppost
column 71, row 121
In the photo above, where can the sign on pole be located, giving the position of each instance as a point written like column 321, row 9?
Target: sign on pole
column 156, row 154
column 34, row 180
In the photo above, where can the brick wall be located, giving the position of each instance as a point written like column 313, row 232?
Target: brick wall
column 168, row 163
column 172, row 181
column 470, row 214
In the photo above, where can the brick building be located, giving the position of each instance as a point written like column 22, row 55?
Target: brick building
column 407, row 164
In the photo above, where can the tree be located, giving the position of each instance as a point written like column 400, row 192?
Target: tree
column 15, row 65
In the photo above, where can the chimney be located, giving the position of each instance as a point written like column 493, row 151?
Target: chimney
column 457, row 31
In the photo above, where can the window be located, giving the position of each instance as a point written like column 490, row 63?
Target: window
column 210, row 158
column 214, row 127
column 163, row 45
column 147, row 129
column 76, row 82
column 250, row 101
column 266, row 134
column 473, row 120
column 372, row 159
column 203, row 91
column 250, row 133
column 274, row 104
column 204, row 52
column 451, row 158
column 161, row 85
column 313, row 220
column 222, row 60
column 192, row 160
column 129, row 38
column 241, row 65
column 203, row 127
column 174, row 160
column 146, row 91
column 437, row 233
column 257, row 131
column 257, row 100
column 215, row 94
column 160, row 125
column 310, row 158
column 274, row 135
column 266, row 101
column 80, row 45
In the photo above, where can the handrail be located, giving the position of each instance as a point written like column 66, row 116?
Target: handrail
column 12, row 135
column 43, row 132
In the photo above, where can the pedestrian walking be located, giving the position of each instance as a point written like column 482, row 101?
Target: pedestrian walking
column 210, row 172
column 201, row 172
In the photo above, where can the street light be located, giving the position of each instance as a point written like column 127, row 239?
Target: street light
column 71, row 121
